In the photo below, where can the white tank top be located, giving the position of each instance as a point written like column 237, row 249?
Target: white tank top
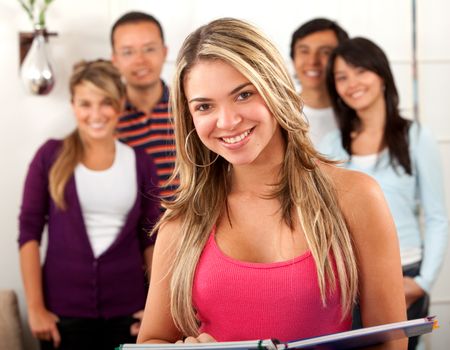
column 106, row 197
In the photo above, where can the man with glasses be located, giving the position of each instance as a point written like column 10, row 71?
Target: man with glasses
column 139, row 53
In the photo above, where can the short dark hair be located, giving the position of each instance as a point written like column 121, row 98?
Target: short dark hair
column 135, row 17
column 318, row 25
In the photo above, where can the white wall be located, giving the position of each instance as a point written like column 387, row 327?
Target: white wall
column 83, row 32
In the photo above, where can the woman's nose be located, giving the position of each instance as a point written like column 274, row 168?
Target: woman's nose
column 96, row 113
column 351, row 81
column 228, row 119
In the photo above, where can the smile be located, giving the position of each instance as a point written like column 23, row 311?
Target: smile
column 312, row 73
column 141, row 72
column 238, row 138
column 97, row 125
column 357, row 94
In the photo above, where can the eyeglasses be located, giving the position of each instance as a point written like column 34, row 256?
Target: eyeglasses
column 147, row 51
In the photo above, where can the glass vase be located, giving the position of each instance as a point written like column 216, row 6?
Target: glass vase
column 36, row 71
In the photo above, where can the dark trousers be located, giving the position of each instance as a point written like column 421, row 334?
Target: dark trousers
column 92, row 334
column 417, row 310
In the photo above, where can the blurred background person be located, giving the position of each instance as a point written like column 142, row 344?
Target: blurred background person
column 311, row 45
column 400, row 154
column 139, row 53
column 98, row 199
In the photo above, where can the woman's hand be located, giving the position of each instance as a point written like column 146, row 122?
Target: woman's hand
column 202, row 338
column 43, row 325
column 412, row 291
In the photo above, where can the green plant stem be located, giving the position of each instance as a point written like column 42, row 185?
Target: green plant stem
column 28, row 9
column 43, row 11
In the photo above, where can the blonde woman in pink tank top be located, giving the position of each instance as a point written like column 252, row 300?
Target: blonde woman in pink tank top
column 266, row 238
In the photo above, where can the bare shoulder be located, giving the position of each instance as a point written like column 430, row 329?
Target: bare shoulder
column 168, row 237
column 362, row 203
column 353, row 187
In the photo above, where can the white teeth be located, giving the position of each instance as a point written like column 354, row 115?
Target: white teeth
column 357, row 94
column 312, row 73
column 141, row 72
column 236, row 138
column 97, row 125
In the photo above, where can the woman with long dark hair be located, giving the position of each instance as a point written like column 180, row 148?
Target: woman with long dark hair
column 400, row 154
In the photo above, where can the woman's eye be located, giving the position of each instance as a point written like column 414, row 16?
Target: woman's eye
column 203, row 107
column 339, row 78
column 244, row 95
column 108, row 102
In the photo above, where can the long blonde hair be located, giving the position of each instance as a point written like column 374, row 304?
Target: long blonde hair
column 303, row 190
column 103, row 75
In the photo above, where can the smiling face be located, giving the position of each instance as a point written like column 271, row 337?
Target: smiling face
column 230, row 116
column 311, row 57
column 139, row 53
column 95, row 113
column 360, row 88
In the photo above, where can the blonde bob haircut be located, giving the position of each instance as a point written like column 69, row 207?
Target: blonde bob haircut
column 104, row 76
column 305, row 193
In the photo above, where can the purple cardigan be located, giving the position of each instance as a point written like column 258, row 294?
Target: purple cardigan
column 76, row 284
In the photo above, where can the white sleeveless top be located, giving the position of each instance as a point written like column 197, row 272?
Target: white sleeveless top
column 106, row 197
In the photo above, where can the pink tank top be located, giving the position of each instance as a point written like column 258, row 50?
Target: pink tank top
column 238, row 300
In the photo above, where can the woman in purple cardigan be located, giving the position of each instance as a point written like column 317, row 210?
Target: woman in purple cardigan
column 99, row 200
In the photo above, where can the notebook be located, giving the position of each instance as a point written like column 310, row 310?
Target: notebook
column 354, row 339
